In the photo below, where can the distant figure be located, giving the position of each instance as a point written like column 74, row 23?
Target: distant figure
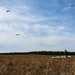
column 66, row 53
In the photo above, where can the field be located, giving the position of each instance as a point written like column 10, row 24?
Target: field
column 36, row 65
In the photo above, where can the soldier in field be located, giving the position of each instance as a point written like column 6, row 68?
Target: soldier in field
column 66, row 53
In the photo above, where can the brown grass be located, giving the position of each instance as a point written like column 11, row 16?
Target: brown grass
column 36, row 65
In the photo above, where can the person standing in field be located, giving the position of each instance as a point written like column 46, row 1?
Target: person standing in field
column 66, row 53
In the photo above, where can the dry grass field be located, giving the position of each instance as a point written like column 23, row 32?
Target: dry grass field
column 36, row 65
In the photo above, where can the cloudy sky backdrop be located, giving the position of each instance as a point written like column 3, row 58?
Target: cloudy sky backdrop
column 42, row 25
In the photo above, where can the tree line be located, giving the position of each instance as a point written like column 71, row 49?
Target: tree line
column 40, row 53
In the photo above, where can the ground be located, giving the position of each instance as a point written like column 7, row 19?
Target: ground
column 36, row 65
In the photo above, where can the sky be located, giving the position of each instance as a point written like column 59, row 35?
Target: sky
column 42, row 25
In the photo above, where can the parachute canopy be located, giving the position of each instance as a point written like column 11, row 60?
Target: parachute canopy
column 17, row 34
column 8, row 11
column 72, row 5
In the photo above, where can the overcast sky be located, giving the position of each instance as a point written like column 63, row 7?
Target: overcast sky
column 41, row 24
